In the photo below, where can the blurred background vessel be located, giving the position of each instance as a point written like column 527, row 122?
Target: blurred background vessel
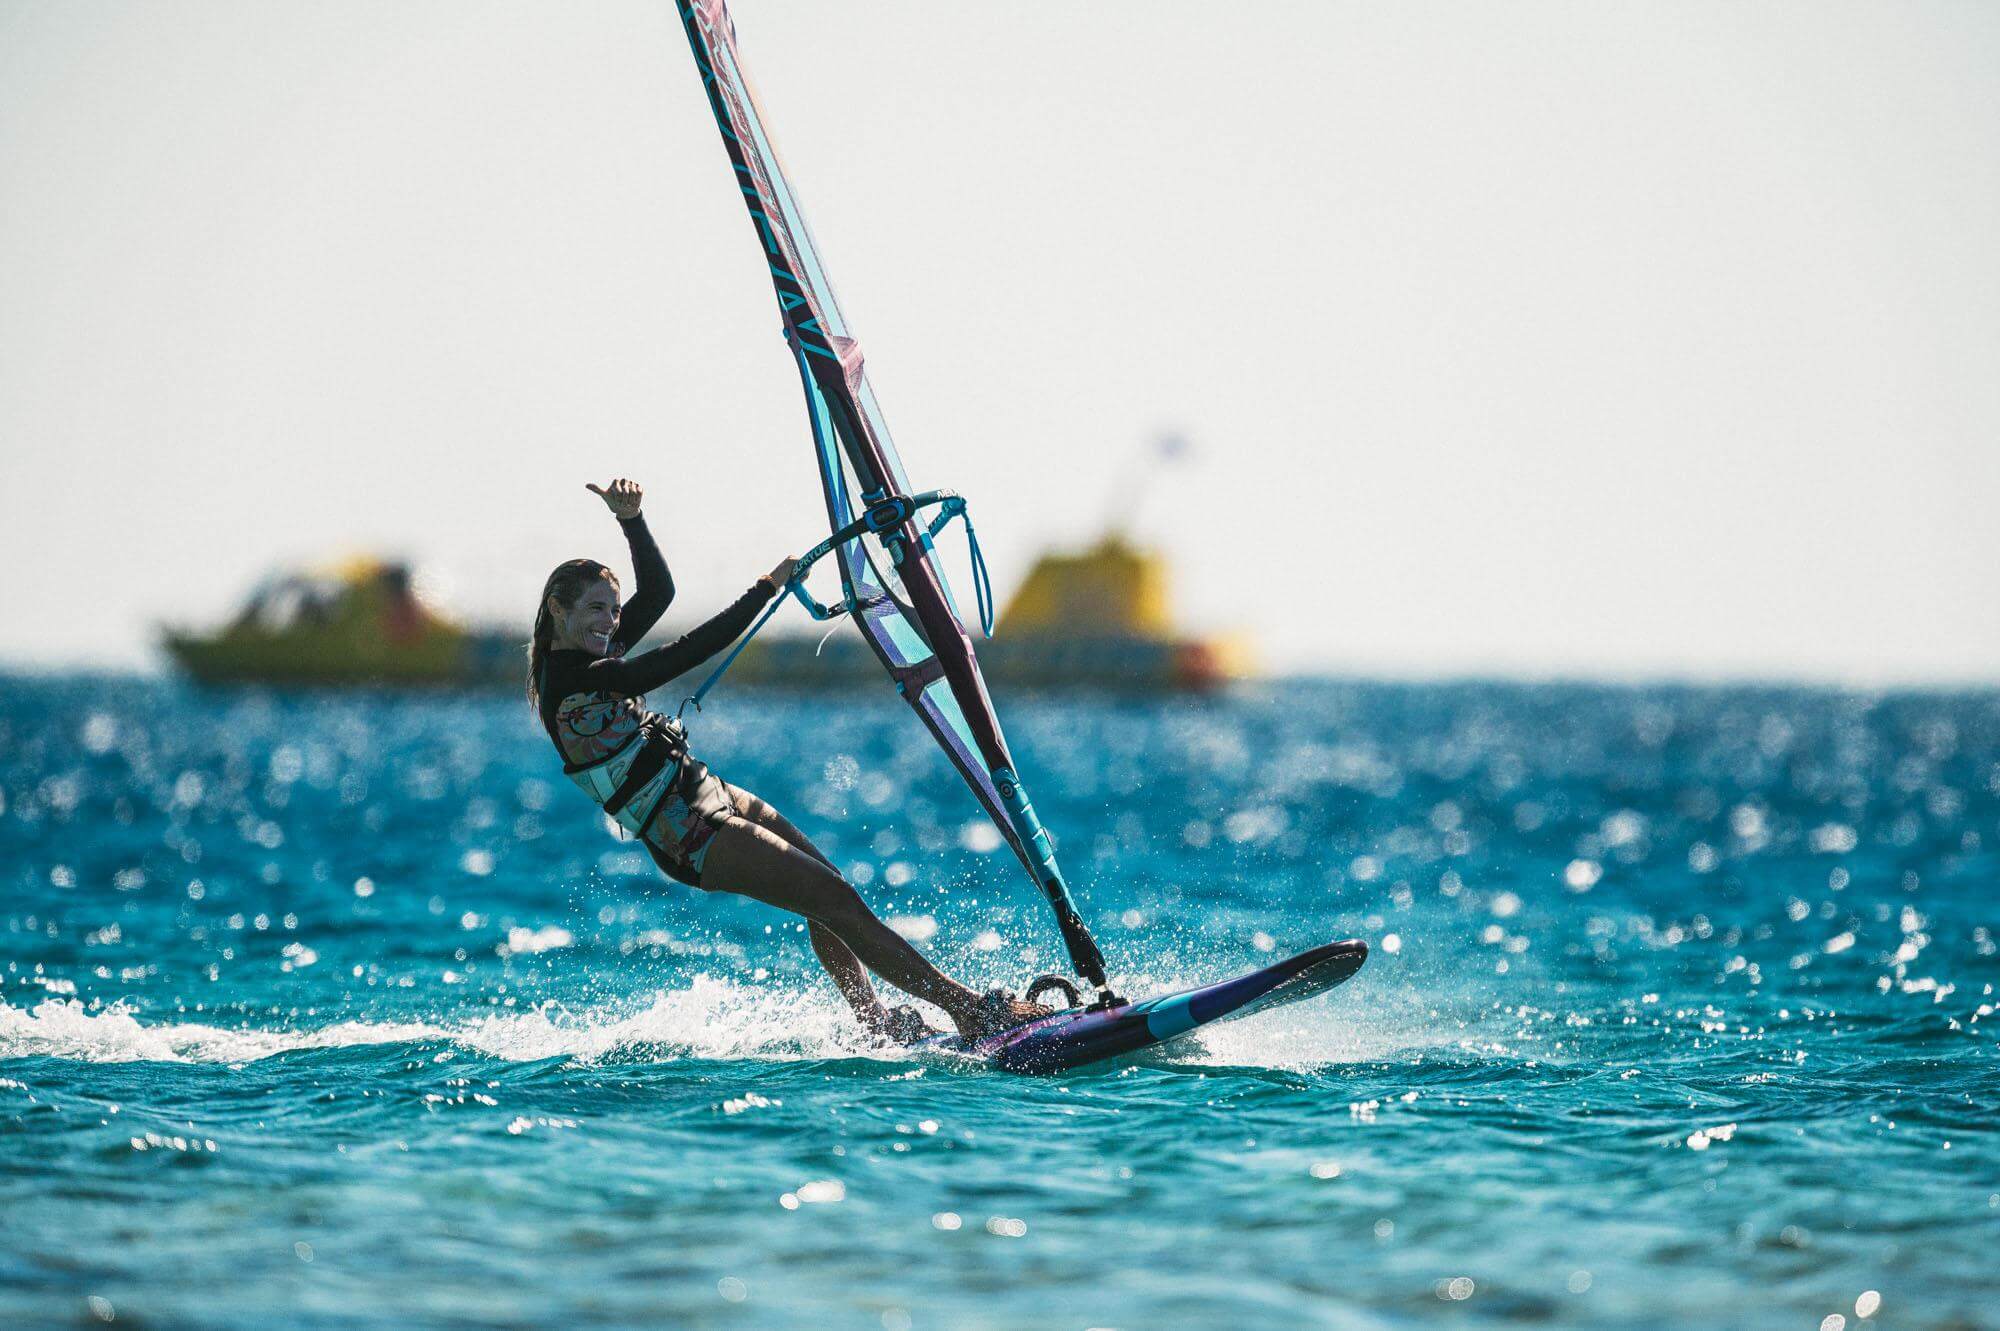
column 357, row 623
column 1099, row 618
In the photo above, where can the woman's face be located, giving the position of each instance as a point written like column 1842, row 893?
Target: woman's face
column 588, row 625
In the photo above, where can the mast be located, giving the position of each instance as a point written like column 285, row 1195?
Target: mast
column 907, row 616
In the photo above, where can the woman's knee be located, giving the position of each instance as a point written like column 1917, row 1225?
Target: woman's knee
column 754, row 861
column 834, row 903
column 833, row 900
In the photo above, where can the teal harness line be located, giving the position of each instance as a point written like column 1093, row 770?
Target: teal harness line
column 715, row 675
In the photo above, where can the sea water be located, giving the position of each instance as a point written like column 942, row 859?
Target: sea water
column 323, row 1009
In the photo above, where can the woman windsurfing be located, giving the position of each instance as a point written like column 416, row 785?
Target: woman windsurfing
column 699, row 829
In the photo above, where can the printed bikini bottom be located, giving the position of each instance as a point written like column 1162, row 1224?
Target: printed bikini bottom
column 681, row 828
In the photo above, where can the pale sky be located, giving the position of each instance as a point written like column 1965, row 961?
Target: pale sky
column 1579, row 339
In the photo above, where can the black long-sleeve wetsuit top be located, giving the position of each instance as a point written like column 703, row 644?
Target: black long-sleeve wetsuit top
column 591, row 705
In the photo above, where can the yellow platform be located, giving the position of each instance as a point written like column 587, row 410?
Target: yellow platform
column 358, row 623
column 1099, row 618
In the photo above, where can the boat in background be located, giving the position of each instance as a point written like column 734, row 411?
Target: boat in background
column 359, row 623
column 1099, row 618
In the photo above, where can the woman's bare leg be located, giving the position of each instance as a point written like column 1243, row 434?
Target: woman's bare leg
column 758, row 810
column 837, row 957
column 834, row 946
column 758, row 863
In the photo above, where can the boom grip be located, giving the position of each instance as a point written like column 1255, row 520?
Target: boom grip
column 882, row 515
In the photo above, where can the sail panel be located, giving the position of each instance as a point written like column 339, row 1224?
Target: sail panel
column 884, row 620
column 900, row 599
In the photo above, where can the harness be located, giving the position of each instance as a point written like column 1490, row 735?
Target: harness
column 630, row 782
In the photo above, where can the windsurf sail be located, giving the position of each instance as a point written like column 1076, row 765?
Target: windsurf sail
column 891, row 583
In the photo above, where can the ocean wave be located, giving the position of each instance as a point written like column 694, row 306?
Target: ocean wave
column 712, row 1017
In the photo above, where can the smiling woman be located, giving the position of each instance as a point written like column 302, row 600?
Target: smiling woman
column 698, row 828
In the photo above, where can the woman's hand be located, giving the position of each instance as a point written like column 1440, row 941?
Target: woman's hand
column 782, row 574
column 622, row 498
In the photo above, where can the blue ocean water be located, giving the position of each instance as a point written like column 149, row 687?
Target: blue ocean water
column 345, row 1010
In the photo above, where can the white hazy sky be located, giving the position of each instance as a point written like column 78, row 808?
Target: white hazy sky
column 1550, row 338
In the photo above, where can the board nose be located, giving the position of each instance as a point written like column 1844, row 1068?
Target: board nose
column 1349, row 953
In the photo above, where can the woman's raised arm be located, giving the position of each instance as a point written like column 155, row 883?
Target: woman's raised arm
column 653, row 591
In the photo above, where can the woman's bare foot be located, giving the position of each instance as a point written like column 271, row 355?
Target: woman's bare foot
column 997, row 1011
column 897, row 1025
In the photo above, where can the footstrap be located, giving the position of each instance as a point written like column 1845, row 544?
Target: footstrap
column 1043, row 983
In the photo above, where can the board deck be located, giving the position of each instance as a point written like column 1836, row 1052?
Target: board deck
column 1077, row 1037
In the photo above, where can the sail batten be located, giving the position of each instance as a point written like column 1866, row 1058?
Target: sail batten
column 898, row 598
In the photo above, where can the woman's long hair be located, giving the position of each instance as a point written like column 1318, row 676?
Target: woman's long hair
column 566, row 585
